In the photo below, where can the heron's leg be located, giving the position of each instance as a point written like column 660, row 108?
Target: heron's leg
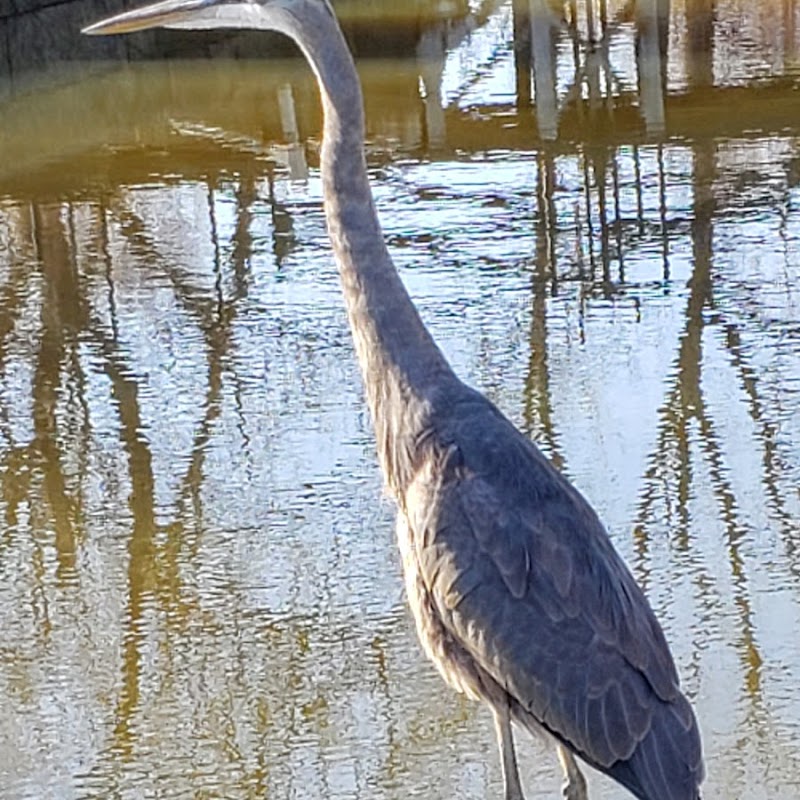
column 502, row 722
column 574, row 787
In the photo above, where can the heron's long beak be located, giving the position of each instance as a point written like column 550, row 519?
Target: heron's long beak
column 165, row 13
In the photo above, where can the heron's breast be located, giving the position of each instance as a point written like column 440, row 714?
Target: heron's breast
column 455, row 664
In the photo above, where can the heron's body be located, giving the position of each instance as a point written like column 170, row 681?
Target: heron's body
column 517, row 593
column 521, row 601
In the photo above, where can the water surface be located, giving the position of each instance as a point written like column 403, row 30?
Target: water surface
column 199, row 589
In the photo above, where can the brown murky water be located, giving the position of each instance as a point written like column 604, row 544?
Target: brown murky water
column 199, row 591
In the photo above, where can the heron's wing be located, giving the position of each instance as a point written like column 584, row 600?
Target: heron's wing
column 524, row 577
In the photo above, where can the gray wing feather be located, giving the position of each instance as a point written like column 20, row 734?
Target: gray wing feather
column 524, row 576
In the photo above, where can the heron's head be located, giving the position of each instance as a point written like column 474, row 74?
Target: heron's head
column 200, row 14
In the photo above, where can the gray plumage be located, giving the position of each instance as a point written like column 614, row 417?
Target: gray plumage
column 517, row 593
column 534, row 608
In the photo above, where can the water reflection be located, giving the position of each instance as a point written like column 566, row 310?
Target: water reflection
column 596, row 206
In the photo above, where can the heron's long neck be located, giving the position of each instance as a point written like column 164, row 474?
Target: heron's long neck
column 401, row 365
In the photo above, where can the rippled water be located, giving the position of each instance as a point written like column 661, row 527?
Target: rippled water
column 200, row 594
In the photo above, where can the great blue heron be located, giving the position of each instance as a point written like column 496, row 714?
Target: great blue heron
column 518, row 595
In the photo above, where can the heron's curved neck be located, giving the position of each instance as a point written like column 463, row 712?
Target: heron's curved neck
column 402, row 367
